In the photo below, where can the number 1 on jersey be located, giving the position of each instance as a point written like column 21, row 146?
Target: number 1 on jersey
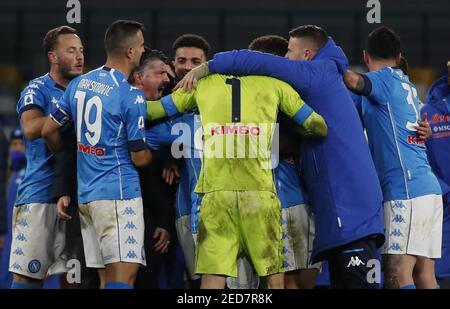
column 235, row 99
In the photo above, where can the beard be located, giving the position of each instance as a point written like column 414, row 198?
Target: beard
column 67, row 71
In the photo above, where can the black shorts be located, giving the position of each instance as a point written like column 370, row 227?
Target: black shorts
column 348, row 265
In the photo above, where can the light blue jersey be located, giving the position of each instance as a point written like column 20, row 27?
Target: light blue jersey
column 182, row 130
column 42, row 94
column 390, row 114
column 288, row 184
column 109, row 116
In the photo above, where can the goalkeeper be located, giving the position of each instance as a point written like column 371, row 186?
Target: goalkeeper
column 240, row 212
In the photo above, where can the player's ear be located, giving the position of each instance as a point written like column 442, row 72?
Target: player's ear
column 137, row 78
column 52, row 58
column 366, row 57
column 308, row 54
column 398, row 59
column 129, row 52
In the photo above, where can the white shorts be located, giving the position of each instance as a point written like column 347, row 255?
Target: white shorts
column 414, row 226
column 247, row 277
column 38, row 241
column 187, row 243
column 113, row 231
column 297, row 224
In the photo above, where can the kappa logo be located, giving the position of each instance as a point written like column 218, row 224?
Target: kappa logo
column 395, row 247
column 23, row 222
column 131, row 254
column 398, row 219
column 129, row 211
column 355, row 261
column 54, row 100
column 130, row 226
column 139, row 100
column 16, row 266
column 21, row 237
column 30, row 92
column 131, row 240
column 33, row 86
column 396, row 233
column 18, row 251
column 398, row 205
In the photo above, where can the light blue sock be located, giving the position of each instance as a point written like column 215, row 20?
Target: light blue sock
column 118, row 285
column 408, row 287
column 25, row 286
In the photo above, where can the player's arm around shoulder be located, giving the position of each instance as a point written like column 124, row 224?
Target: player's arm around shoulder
column 375, row 85
column 293, row 105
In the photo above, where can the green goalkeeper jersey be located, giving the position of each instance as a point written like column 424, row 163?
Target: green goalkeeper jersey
column 238, row 116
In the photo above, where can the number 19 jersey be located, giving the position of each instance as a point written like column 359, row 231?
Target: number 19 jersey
column 390, row 114
column 108, row 114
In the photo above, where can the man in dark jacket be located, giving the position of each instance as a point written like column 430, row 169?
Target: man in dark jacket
column 437, row 109
column 157, row 196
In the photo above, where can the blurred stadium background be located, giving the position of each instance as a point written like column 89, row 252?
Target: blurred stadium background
column 424, row 27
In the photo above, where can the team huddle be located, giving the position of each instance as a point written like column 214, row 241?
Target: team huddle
column 285, row 158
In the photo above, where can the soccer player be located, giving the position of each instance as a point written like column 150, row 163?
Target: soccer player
column 339, row 173
column 411, row 193
column 437, row 109
column 109, row 116
column 38, row 237
column 190, row 50
column 240, row 213
column 297, row 220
